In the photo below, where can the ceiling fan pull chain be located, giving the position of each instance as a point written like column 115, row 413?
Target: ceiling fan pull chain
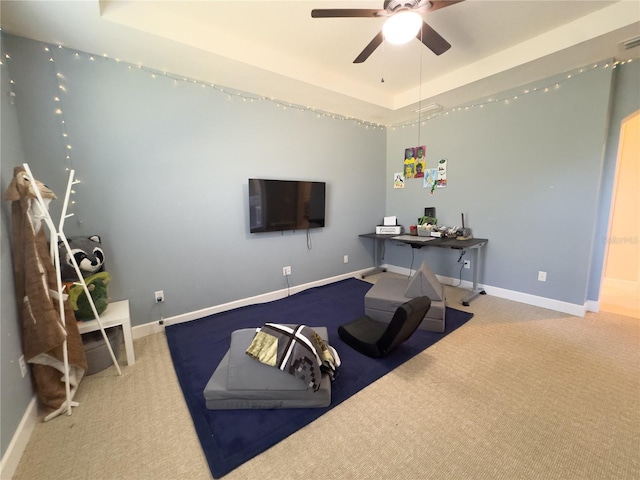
column 420, row 94
column 382, row 65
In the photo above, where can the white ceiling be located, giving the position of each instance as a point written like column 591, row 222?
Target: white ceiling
column 275, row 48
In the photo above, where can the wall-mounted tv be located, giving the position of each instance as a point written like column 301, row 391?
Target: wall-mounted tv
column 278, row 205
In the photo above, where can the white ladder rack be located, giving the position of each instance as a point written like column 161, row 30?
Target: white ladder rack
column 56, row 234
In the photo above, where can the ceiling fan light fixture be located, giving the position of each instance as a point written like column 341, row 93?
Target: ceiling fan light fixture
column 402, row 27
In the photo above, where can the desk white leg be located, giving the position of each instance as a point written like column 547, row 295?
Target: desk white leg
column 128, row 342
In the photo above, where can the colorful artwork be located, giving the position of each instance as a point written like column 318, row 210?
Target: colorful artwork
column 430, row 179
column 442, row 173
column 398, row 180
column 415, row 162
column 409, row 163
column 421, row 161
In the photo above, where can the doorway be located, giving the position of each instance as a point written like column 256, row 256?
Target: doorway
column 620, row 290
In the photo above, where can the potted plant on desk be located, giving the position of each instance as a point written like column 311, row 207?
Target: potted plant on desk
column 425, row 225
column 427, row 220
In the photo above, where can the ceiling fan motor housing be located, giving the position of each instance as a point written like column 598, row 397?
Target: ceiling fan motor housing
column 396, row 10
column 392, row 6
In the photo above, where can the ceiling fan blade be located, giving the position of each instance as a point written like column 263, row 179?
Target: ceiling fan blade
column 347, row 12
column 369, row 49
column 438, row 4
column 432, row 40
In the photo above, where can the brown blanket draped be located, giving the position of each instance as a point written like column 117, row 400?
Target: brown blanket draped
column 36, row 294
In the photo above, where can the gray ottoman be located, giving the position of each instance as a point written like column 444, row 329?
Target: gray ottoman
column 241, row 382
column 388, row 293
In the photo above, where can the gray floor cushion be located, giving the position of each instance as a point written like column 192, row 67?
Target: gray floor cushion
column 388, row 293
column 241, row 382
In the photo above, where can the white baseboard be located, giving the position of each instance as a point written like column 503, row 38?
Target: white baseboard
column 619, row 286
column 155, row 327
column 549, row 303
column 620, row 296
column 592, row 306
column 543, row 302
column 11, row 458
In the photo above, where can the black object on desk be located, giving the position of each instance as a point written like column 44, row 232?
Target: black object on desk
column 474, row 244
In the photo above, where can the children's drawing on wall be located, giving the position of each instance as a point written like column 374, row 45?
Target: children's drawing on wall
column 421, row 161
column 409, row 163
column 409, row 170
column 430, row 179
column 442, row 173
column 398, row 180
column 415, row 162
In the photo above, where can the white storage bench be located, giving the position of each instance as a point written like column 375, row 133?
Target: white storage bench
column 117, row 313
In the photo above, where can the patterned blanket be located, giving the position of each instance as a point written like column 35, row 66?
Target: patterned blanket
column 297, row 350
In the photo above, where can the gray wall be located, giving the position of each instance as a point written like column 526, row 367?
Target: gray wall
column 16, row 392
column 526, row 175
column 164, row 168
column 164, row 171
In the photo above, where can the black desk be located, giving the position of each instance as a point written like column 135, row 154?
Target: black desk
column 474, row 244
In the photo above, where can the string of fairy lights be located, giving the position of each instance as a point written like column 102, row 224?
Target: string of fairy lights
column 229, row 92
column 59, row 110
column 513, row 97
column 232, row 94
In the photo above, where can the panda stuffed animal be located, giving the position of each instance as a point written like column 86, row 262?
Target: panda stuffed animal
column 88, row 254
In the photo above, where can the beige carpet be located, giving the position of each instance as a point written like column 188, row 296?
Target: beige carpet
column 519, row 392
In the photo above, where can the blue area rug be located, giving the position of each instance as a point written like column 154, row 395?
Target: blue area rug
column 231, row 437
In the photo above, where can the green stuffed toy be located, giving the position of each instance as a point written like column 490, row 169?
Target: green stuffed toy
column 89, row 256
column 97, row 286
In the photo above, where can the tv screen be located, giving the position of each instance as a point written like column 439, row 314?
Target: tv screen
column 277, row 205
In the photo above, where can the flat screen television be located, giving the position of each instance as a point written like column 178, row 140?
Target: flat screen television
column 278, row 205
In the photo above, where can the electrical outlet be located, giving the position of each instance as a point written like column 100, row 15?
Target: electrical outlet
column 23, row 366
column 467, row 264
column 542, row 276
column 286, row 271
column 159, row 296
column 346, row 259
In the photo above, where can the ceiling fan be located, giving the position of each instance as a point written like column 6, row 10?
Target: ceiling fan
column 395, row 10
